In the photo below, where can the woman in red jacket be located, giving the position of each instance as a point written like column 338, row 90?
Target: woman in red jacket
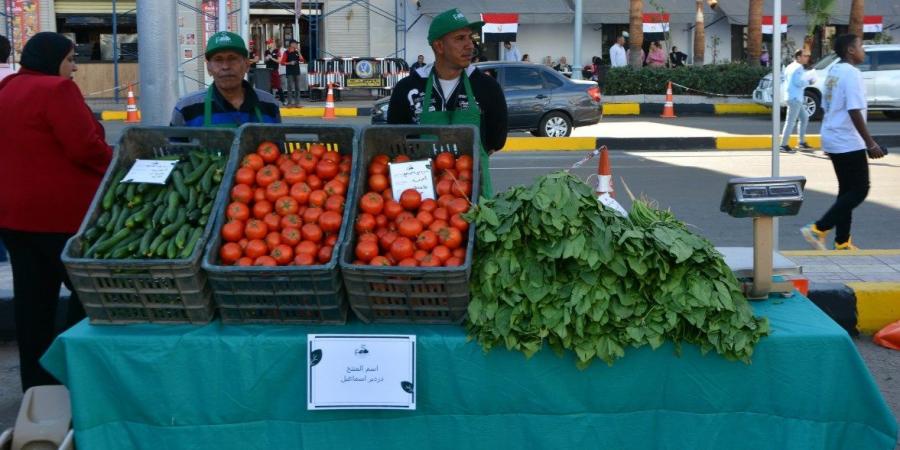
column 52, row 159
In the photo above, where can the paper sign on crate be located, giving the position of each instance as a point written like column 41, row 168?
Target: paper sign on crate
column 353, row 371
column 412, row 175
column 151, row 171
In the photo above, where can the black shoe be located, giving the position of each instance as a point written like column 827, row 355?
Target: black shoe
column 804, row 147
column 787, row 149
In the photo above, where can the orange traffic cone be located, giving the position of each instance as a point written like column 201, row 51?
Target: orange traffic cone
column 669, row 107
column 329, row 104
column 604, row 174
column 132, row 115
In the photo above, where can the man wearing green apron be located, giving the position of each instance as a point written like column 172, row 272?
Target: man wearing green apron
column 230, row 101
column 452, row 91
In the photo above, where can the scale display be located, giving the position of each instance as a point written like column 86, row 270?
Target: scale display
column 763, row 197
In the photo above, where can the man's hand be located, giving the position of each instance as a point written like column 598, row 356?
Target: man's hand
column 875, row 151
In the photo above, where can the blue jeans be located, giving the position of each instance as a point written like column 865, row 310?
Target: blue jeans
column 795, row 111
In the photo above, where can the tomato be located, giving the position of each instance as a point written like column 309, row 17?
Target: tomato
column 425, row 217
column 253, row 161
column 426, row 240
column 378, row 182
column 245, row 175
column 380, row 261
column 441, row 214
column 243, row 243
column 453, row 262
column 330, row 221
column 343, row 177
column 449, row 174
column 294, row 174
column 285, row 166
column 381, row 221
column 388, row 195
column 256, row 248
column 265, row 260
column 444, row 161
column 457, row 206
column 464, row 163
column 441, row 252
column 300, row 192
column 261, row 208
column 378, row 169
column 237, row 211
column 241, row 193
column 365, row 222
column 272, row 221
column 311, row 215
column 444, row 200
column 326, row 170
column 460, row 253
column 381, row 158
column 255, row 229
column 451, row 237
column 286, row 206
column 429, row 261
column 410, row 228
column 335, row 187
column 385, row 240
column 306, row 247
column 371, row 203
column 408, row 262
column 368, row 237
column 465, row 175
column 443, row 187
column 304, row 259
column 317, row 149
column 437, row 225
column 244, row 261
column 267, row 175
column 392, row 209
column 268, row 151
column 308, row 162
column 366, row 250
column 402, row 248
column 230, row 253
column 317, row 198
column 410, row 199
column 291, row 236
column 456, row 221
column 273, row 239
column 401, row 158
column 380, row 231
column 311, row 232
column 335, row 203
column 324, row 254
column 461, row 188
column 334, row 157
column 331, row 239
column 276, row 190
column 419, row 254
column 233, row 231
column 314, row 182
column 283, row 254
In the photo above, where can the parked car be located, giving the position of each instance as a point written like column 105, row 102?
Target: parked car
column 881, row 74
column 539, row 99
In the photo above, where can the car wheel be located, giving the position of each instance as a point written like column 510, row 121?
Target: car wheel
column 892, row 114
column 813, row 105
column 555, row 124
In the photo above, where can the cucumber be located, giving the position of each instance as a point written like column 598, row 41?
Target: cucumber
column 173, row 227
column 206, row 181
column 158, row 241
column 182, row 236
column 108, row 244
column 178, row 181
column 191, row 243
column 198, row 172
column 103, row 219
column 192, row 200
column 171, row 249
column 92, row 233
column 121, row 250
column 116, row 212
column 146, row 240
column 172, row 208
column 130, row 191
column 110, row 196
column 138, row 217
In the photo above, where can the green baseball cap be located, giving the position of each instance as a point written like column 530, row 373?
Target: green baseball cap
column 225, row 41
column 448, row 22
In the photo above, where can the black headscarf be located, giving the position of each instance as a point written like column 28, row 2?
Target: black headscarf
column 45, row 51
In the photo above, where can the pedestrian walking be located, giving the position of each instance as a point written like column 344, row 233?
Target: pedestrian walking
column 45, row 121
column 796, row 80
column 420, row 62
column 291, row 60
column 846, row 140
column 271, row 57
column 617, row 54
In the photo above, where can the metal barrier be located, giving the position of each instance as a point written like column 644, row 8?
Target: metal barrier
column 345, row 73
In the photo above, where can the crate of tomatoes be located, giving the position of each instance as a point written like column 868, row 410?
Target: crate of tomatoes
column 274, row 258
column 409, row 256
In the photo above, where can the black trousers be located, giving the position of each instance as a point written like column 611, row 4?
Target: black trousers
column 37, row 274
column 852, row 170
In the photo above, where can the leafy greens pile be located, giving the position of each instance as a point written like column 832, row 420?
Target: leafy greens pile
column 553, row 264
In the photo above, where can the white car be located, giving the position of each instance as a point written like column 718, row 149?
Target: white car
column 881, row 73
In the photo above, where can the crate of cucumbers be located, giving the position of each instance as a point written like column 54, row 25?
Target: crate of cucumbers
column 137, row 255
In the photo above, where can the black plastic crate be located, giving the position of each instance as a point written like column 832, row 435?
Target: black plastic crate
column 381, row 294
column 286, row 294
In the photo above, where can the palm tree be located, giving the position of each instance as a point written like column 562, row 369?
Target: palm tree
column 818, row 12
column 754, row 32
column 636, row 32
column 857, row 11
column 699, row 35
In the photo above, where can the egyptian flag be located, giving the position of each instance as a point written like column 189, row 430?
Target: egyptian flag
column 872, row 25
column 655, row 26
column 499, row 27
column 768, row 26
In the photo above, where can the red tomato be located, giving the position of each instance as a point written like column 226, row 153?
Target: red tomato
column 410, row 199
column 442, row 253
column 410, row 228
column 265, row 260
column 371, row 203
column 294, row 174
column 437, row 225
column 381, row 158
column 318, row 149
column 419, row 254
column 457, row 206
column 385, row 240
column 331, row 239
column 460, row 253
column 366, row 250
column 276, row 190
column 443, row 187
column 290, row 236
column 305, row 259
column 244, row 261
column 401, row 158
column 365, row 222
column 335, row 203
column 253, row 161
column 300, row 192
column 456, row 221
column 314, row 182
column 378, row 182
column 464, row 163
column 408, row 262
column 332, row 156
column 268, row 151
column 444, row 161
column 230, row 253
column 245, row 175
column 425, row 217
column 441, row 214
column 241, row 193
column 461, row 188
column 267, row 175
column 453, row 262
column 291, row 221
column 451, row 237
column 335, row 187
column 311, row 232
column 259, row 194
column 330, row 222
column 380, row 261
column 261, row 208
column 429, row 261
column 283, row 254
column 306, row 247
column 402, row 248
column 238, row 211
column 256, row 248
column 392, row 209
column 233, row 231
column 311, row 215
column 428, row 205
column 308, row 162
column 273, row 239
column 286, row 206
column 326, row 170
column 427, row 240
column 324, row 254
column 377, row 168
column 273, row 221
column 317, row 198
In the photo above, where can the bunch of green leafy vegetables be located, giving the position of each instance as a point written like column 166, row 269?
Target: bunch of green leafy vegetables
column 553, row 265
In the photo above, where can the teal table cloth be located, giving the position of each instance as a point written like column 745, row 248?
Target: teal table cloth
column 243, row 387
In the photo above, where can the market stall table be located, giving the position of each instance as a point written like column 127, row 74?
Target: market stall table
column 244, row 387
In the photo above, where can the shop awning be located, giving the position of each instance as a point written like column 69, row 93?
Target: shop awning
column 561, row 11
column 93, row 6
column 736, row 10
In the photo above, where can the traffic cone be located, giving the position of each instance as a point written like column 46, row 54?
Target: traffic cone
column 329, row 104
column 604, row 174
column 669, row 107
column 132, row 115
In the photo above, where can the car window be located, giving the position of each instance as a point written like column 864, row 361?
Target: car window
column 550, row 81
column 889, row 60
column 866, row 65
column 521, row 78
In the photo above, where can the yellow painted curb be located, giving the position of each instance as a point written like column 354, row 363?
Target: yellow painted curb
column 520, row 144
column 317, row 111
column 621, row 109
column 760, row 142
column 741, row 108
column 885, row 252
column 877, row 304
column 112, row 115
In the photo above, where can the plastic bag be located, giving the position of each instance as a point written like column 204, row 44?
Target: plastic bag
column 889, row 336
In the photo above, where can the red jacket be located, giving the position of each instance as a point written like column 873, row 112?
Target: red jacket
column 53, row 153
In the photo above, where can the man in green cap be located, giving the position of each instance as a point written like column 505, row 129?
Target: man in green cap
column 452, row 91
column 231, row 101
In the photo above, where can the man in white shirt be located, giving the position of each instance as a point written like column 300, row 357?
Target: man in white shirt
column 511, row 53
column 5, row 69
column 795, row 81
column 846, row 140
column 617, row 55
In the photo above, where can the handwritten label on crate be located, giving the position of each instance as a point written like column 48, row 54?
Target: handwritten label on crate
column 356, row 371
column 151, row 171
column 412, row 175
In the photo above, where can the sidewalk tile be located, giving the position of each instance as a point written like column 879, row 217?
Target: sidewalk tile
column 853, row 260
column 831, row 278
column 892, row 259
column 823, row 268
column 869, row 268
column 881, row 277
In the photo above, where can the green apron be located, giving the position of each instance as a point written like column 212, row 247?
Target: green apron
column 468, row 116
column 207, row 113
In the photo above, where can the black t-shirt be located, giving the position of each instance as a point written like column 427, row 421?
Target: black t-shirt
column 293, row 56
column 272, row 59
column 409, row 94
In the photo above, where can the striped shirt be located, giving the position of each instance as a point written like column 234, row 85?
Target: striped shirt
column 189, row 110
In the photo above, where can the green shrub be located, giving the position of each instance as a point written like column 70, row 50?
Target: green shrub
column 729, row 79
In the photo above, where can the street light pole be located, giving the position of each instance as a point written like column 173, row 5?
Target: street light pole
column 576, row 51
column 776, row 101
column 223, row 15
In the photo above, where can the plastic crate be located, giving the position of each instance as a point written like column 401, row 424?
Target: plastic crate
column 410, row 294
column 286, row 294
column 147, row 290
